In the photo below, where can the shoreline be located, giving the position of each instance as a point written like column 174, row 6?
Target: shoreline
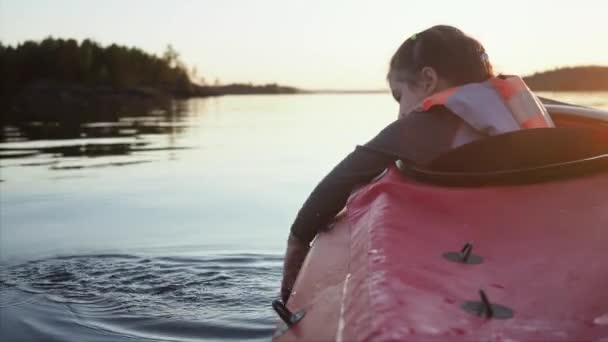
column 69, row 102
column 74, row 102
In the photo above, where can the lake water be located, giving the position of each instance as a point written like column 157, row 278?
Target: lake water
column 171, row 226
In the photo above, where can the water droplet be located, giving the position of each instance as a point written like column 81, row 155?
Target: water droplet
column 601, row 320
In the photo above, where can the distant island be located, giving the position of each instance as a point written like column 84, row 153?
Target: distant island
column 63, row 79
column 582, row 78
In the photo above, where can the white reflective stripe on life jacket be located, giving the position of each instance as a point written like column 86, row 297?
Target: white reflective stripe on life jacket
column 527, row 109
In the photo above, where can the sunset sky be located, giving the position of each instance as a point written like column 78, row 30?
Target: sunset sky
column 318, row 44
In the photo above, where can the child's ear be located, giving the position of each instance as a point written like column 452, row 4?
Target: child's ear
column 429, row 80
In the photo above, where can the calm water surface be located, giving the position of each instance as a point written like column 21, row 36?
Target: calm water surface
column 170, row 226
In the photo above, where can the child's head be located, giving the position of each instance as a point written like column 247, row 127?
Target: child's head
column 433, row 60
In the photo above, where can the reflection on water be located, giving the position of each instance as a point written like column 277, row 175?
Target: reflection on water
column 169, row 226
column 89, row 139
column 78, row 145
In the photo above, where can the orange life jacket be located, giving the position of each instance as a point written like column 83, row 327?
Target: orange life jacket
column 523, row 105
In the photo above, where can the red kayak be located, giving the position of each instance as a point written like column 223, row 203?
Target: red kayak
column 495, row 241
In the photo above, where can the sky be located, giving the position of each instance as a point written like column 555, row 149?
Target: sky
column 318, row 44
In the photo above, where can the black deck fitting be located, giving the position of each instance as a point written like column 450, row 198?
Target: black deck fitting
column 486, row 305
column 484, row 308
column 288, row 317
column 284, row 313
column 464, row 256
column 466, row 251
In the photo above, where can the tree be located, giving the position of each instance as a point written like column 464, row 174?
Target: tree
column 171, row 56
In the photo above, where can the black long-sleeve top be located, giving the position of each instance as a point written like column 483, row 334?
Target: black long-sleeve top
column 417, row 138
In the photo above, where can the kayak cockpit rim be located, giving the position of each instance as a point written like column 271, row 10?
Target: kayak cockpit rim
column 526, row 156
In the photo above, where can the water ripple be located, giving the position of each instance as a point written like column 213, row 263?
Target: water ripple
column 173, row 298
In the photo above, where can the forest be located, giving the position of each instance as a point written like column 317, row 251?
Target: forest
column 63, row 79
column 88, row 63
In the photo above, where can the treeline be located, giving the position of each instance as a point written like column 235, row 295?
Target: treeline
column 63, row 80
column 88, row 63
column 584, row 78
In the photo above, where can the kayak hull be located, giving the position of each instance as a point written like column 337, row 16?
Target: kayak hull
column 388, row 268
column 380, row 273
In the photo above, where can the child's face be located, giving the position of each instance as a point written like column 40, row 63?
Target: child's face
column 411, row 94
column 408, row 96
